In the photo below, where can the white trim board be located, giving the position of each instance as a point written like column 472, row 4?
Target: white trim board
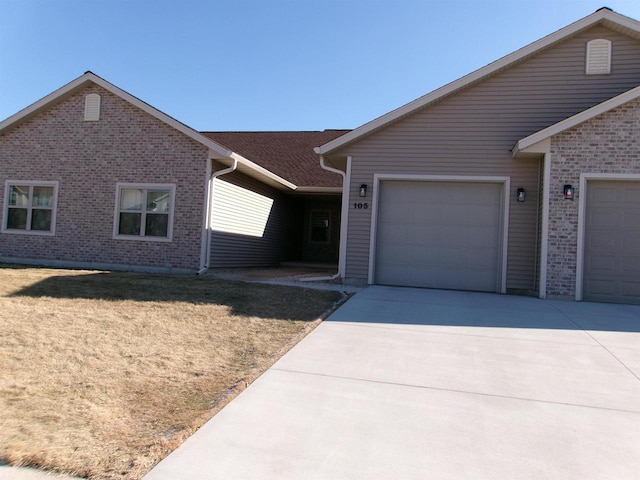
column 171, row 187
column 505, row 181
column 54, row 207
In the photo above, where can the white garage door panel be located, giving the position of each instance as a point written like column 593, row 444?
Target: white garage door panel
column 612, row 242
column 439, row 234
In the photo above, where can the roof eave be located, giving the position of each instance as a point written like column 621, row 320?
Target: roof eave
column 92, row 77
column 32, row 109
column 254, row 170
column 480, row 74
column 216, row 151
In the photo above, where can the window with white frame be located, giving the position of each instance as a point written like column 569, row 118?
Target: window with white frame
column 144, row 211
column 30, row 207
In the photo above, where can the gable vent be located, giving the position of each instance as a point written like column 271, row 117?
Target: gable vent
column 92, row 108
column 598, row 57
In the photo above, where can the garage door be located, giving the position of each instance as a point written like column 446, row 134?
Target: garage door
column 612, row 242
column 439, row 235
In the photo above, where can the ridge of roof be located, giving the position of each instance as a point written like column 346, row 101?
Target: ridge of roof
column 604, row 15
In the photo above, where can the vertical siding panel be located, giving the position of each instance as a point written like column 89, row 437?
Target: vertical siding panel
column 251, row 223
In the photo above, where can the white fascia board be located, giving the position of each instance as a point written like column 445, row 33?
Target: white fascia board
column 219, row 150
column 216, row 151
column 484, row 72
column 614, row 19
column 262, row 171
column 154, row 112
column 540, row 148
column 31, row 109
column 528, row 144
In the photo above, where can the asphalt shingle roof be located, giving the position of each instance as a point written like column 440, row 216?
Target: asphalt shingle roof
column 289, row 155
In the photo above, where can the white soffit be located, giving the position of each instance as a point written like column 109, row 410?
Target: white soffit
column 262, row 173
column 608, row 17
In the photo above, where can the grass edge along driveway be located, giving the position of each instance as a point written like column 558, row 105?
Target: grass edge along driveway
column 105, row 373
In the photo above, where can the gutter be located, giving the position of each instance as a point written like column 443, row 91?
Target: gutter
column 214, row 175
column 343, row 232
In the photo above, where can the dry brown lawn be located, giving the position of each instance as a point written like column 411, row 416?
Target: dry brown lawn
column 103, row 374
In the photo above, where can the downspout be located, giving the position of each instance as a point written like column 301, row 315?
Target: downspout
column 214, row 175
column 343, row 226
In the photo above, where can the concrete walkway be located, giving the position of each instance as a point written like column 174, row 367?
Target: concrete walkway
column 287, row 275
column 413, row 384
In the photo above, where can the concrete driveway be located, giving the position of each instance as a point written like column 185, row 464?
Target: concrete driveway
column 413, row 384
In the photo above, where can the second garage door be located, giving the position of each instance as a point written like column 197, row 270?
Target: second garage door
column 439, row 234
column 612, row 242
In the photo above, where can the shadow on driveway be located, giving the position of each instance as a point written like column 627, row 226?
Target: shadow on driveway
column 423, row 307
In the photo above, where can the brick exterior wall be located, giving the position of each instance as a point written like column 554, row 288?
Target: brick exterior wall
column 88, row 159
column 609, row 143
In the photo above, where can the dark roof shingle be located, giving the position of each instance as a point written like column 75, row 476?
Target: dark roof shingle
column 289, row 155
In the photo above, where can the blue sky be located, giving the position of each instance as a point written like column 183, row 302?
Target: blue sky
column 268, row 64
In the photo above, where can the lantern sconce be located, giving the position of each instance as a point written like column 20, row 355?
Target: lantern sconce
column 568, row 192
column 363, row 190
column 521, row 195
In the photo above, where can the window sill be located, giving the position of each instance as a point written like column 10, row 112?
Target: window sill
column 37, row 233
column 138, row 238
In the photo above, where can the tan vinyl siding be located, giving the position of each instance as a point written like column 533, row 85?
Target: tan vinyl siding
column 523, row 231
column 239, row 210
column 472, row 132
column 251, row 223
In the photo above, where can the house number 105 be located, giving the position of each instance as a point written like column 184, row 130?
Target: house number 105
column 360, row 206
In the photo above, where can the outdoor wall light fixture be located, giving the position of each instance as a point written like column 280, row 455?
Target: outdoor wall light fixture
column 520, row 194
column 568, row 192
column 363, row 190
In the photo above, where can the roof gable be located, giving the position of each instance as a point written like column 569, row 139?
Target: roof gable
column 216, row 150
column 79, row 82
column 603, row 16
